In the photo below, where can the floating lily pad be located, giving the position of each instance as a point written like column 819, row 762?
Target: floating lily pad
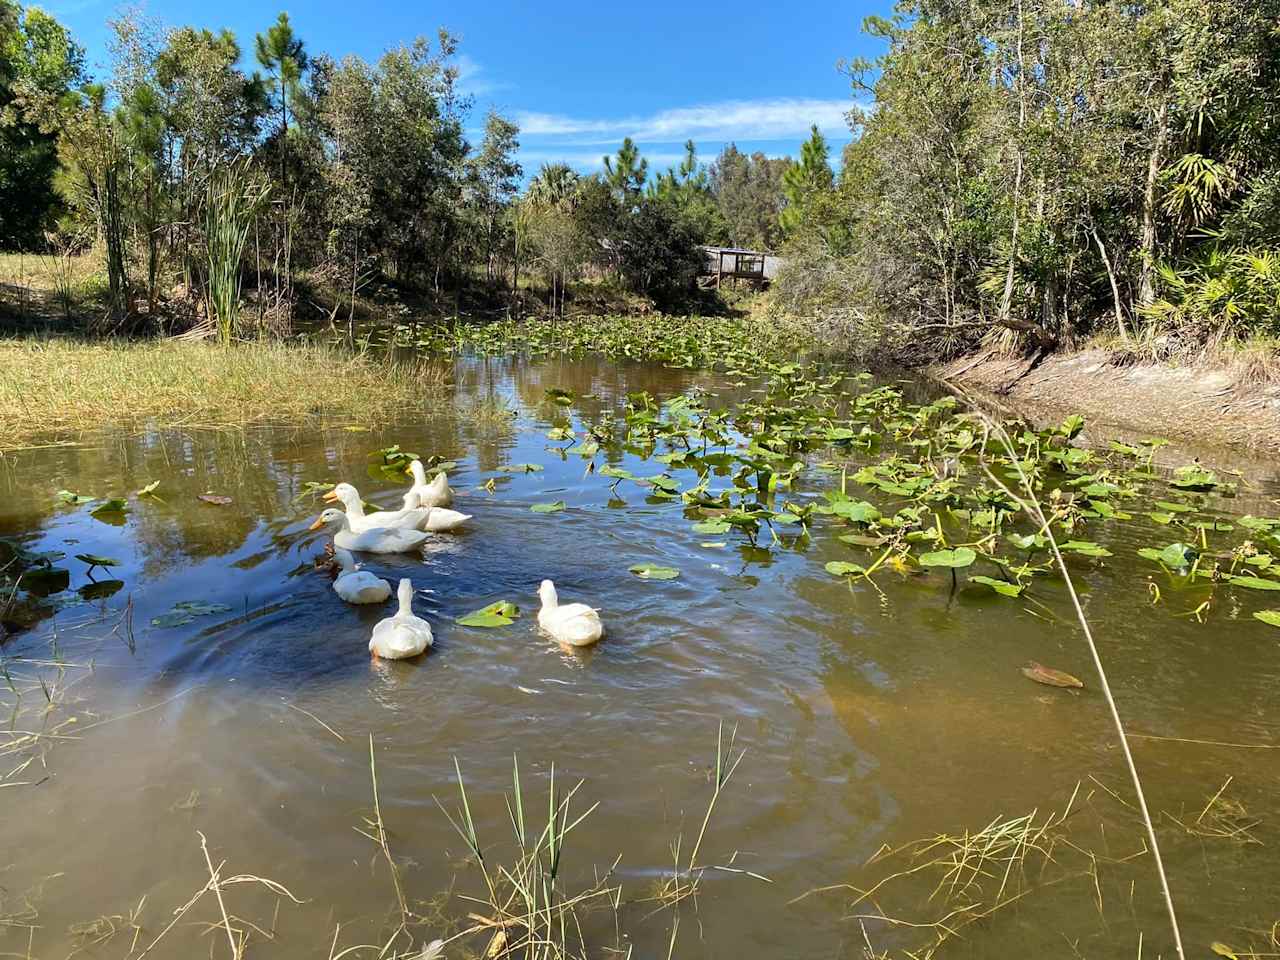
column 498, row 614
column 217, row 499
column 72, row 499
column 652, row 571
column 114, row 505
column 712, row 526
column 842, row 568
column 1271, row 617
column 185, row 611
column 96, row 560
column 555, row 507
column 955, row 559
column 1175, row 555
column 1256, row 583
column 1002, row 587
column 1086, row 548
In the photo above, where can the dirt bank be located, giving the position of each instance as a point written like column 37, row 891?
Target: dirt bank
column 1189, row 403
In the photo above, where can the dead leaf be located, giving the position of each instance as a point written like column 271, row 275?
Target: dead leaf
column 1222, row 950
column 217, row 499
column 497, row 944
column 1049, row 676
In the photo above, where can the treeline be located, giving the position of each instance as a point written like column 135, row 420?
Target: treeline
column 1033, row 172
column 209, row 176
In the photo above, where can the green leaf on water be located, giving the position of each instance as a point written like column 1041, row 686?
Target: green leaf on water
column 72, row 499
column 1256, row 583
column 1086, row 548
column 1271, row 617
column 652, row 571
column 114, row 505
column 185, row 611
column 842, row 568
column 1175, row 555
column 520, row 468
column 1172, row 507
column 712, row 526
column 93, row 560
column 1002, row 587
column 955, row 559
column 555, row 507
column 498, row 614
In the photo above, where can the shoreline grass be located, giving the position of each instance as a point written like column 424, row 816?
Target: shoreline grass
column 55, row 388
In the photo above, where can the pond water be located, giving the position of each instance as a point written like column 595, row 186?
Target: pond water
column 868, row 717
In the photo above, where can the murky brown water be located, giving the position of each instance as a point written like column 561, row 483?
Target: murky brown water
column 866, row 720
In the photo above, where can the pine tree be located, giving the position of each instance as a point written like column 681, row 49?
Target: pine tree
column 627, row 172
column 804, row 181
column 282, row 55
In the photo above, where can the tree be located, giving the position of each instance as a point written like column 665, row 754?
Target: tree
column 805, row 182
column 747, row 191
column 38, row 61
column 282, row 55
column 627, row 171
column 687, row 189
column 493, row 179
column 659, row 255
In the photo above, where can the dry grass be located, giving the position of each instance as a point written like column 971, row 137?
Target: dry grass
column 53, row 388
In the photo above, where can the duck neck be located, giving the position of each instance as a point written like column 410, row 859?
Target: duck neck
column 406, row 598
column 354, row 505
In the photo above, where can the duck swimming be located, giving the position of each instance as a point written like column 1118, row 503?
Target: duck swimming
column 404, row 635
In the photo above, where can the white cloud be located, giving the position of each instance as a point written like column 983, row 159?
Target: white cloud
column 779, row 118
column 588, row 161
column 472, row 80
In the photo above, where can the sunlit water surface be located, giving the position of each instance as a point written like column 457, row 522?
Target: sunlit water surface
column 866, row 720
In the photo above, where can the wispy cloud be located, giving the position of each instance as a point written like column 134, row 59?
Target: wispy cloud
column 473, row 80
column 781, row 118
column 588, row 161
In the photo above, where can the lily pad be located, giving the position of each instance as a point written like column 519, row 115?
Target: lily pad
column 71, row 499
column 955, row 559
column 712, row 526
column 1002, row 587
column 185, row 611
column 100, row 590
column 1256, row 583
column 217, row 499
column 114, row 505
column 1175, row 555
column 93, row 560
column 653, row 571
column 1271, row 617
column 555, row 507
column 498, row 614
column 842, row 568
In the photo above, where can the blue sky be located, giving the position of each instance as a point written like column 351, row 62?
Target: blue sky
column 578, row 76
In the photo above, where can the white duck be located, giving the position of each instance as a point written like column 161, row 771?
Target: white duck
column 433, row 494
column 355, row 585
column 378, row 540
column 574, row 624
column 407, row 518
column 404, row 635
column 439, row 519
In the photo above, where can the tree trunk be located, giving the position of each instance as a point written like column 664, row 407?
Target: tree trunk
column 1146, row 281
column 1115, row 288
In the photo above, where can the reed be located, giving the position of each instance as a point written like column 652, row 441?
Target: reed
column 55, row 388
column 233, row 200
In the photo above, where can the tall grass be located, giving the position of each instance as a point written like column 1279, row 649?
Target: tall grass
column 55, row 387
column 233, row 200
